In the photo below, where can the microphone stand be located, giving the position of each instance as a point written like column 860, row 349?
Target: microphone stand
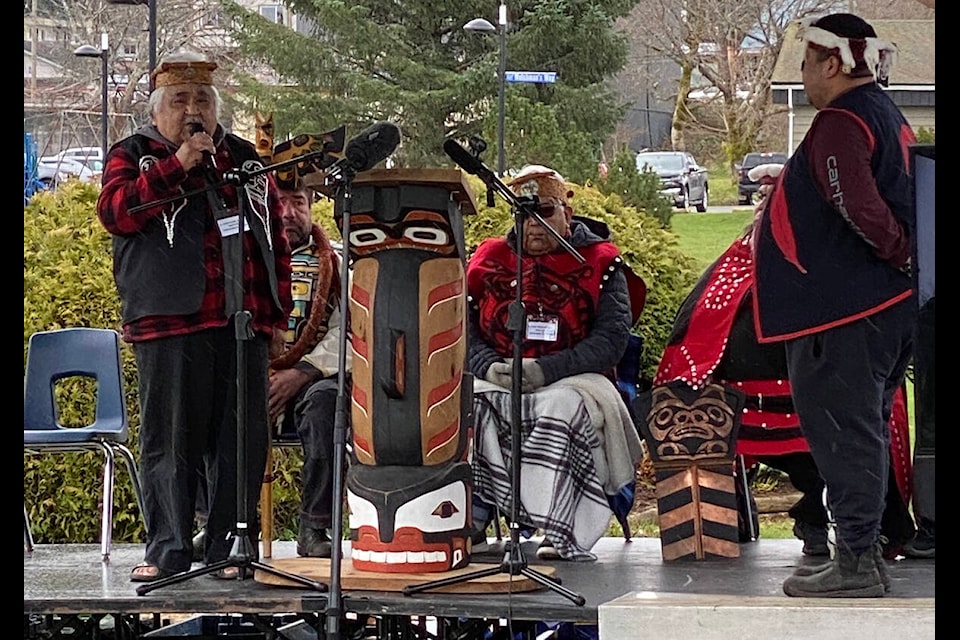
column 513, row 562
column 343, row 181
column 242, row 554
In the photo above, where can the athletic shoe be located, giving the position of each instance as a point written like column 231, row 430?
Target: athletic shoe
column 923, row 546
column 814, row 538
column 546, row 551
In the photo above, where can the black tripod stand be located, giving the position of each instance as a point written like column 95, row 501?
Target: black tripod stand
column 513, row 562
column 334, row 612
column 242, row 553
column 362, row 153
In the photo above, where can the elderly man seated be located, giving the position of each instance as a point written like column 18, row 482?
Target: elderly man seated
column 579, row 445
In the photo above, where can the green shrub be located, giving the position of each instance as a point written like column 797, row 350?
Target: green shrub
column 639, row 189
column 68, row 282
column 926, row 136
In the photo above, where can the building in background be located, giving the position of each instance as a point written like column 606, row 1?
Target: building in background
column 61, row 93
column 912, row 81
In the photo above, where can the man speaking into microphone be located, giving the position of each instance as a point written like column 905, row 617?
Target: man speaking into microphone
column 184, row 270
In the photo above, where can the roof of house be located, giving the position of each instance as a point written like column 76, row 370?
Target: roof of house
column 916, row 52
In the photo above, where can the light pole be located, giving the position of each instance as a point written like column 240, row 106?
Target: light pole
column 89, row 51
column 480, row 25
column 151, row 27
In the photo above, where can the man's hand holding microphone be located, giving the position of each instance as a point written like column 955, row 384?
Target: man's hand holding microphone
column 197, row 148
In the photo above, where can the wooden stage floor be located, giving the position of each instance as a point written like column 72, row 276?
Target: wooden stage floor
column 72, row 579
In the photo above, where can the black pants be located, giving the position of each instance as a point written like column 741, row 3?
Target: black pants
column 311, row 417
column 843, row 382
column 896, row 525
column 188, row 419
column 314, row 415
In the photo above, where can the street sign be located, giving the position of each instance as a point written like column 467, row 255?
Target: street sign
column 531, row 76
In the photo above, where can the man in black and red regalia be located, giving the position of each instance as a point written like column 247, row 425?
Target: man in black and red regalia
column 714, row 339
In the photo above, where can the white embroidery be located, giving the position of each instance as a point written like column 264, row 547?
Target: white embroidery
column 146, row 162
column 256, row 191
column 170, row 219
column 879, row 55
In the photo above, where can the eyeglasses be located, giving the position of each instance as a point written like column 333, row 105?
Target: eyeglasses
column 547, row 209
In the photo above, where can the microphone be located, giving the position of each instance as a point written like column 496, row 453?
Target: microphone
column 195, row 128
column 466, row 160
column 369, row 148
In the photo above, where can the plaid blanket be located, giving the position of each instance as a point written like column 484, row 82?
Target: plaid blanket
column 563, row 469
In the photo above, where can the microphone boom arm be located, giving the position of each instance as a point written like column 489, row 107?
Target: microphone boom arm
column 234, row 176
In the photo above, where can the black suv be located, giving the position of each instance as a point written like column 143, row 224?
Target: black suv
column 747, row 187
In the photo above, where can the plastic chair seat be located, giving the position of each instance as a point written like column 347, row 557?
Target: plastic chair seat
column 44, row 437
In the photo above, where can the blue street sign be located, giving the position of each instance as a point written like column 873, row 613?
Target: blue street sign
column 531, row 76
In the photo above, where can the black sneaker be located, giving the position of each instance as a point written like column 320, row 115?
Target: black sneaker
column 313, row 543
column 478, row 541
column 814, row 538
column 922, row 547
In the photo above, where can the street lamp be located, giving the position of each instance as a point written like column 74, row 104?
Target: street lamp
column 479, row 25
column 89, row 51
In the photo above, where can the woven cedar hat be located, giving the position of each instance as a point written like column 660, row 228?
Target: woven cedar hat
column 538, row 180
column 183, row 72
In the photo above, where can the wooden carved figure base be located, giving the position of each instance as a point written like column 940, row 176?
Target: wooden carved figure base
column 691, row 435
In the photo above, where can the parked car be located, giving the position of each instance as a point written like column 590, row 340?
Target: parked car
column 51, row 172
column 81, row 154
column 682, row 179
column 748, row 188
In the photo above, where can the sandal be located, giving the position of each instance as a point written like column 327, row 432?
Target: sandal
column 232, row 573
column 147, row 572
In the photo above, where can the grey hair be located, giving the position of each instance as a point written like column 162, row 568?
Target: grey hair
column 182, row 56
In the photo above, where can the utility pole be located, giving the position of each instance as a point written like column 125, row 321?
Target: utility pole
column 33, row 53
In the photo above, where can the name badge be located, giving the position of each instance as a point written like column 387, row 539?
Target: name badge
column 229, row 225
column 542, row 328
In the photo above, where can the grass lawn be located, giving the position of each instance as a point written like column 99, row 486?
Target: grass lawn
column 704, row 236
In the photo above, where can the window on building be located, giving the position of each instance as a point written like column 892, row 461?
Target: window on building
column 272, row 12
column 214, row 18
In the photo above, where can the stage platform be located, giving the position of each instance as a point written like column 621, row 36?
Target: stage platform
column 630, row 592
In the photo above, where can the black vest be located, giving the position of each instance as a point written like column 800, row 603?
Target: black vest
column 160, row 270
column 833, row 276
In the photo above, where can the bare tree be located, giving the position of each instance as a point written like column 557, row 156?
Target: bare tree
column 180, row 23
column 722, row 49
